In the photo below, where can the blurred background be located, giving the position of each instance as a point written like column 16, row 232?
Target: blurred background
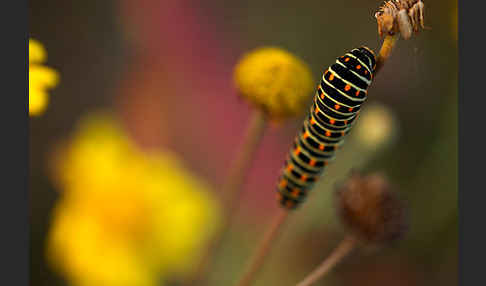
column 127, row 160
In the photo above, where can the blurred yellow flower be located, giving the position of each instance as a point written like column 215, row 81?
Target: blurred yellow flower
column 41, row 78
column 125, row 217
column 275, row 80
column 376, row 127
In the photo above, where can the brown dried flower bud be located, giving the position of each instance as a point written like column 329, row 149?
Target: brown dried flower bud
column 400, row 16
column 371, row 209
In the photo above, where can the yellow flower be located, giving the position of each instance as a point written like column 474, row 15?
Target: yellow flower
column 376, row 127
column 125, row 217
column 274, row 80
column 41, row 78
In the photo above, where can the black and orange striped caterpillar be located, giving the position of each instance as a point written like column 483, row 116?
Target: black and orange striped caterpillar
column 342, row 90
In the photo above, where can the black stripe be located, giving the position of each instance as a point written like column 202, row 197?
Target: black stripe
column 297, row 184
column 313, row 152
column 323, row 139
column 299, row 165
column 297, row 175
column 352, row 63
column 329, row 103
column 303, row 157
column 315, row 142
column 319, row 164
column 287, row 192
column 337, row 96
column 363, row 57
column 283, row 202
column 328, row 124
column 332, row 113
column 325, row 120
column 370, row 55
column 309, row 154
column 333, row 134
column 346, row 74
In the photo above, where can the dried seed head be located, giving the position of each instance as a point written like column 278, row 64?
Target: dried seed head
column 400, row 16
column 369, row 207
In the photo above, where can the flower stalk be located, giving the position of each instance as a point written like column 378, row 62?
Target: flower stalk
column 277, row 85
column 386, row 49
column 232, row 189
column 264, row 248
column 340, row 252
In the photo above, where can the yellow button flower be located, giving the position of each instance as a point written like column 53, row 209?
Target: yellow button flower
column 41, row 78
column 274, row 80
column 125, row 217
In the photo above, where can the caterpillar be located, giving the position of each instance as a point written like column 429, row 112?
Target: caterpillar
column 342, row 90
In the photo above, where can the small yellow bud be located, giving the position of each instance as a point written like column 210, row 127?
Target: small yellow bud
column 37, row 52
column 41, row 78
column 274, row 80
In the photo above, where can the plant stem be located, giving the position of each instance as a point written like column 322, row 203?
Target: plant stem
column 231, row 190
column 344, row 248
column 263, row 249
column 239, row 169
column 385, row 51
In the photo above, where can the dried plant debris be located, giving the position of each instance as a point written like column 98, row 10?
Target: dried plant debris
column 400, row 16
column 371, row 209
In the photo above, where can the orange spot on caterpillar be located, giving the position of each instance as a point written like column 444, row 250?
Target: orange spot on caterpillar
column 357, row 93
column 358, row 67
column 290, row 167
column 312, row 162
column 316, row 111
column 283, row 183
column 306, row 134
column 312, row 121
column 337, row 106
column 328, row 133
column 331, row 77
column 347, row 87
column 350, row 109
column 345, row 122
column 321, row 147
column 303, row 177
column 297, row 150
column 366, row 72
column 332, row 121
column 346, row 59
column 295, row 193
column 322, row 96
column 342, row 133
